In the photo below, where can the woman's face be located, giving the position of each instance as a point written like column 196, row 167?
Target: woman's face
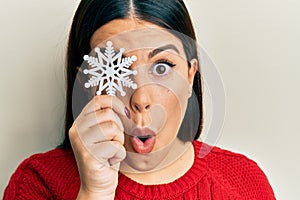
column 163, row 79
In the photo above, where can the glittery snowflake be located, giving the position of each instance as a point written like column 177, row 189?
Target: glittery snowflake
column 110, row 71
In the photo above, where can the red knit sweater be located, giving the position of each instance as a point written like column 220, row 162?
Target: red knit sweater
column 219, row 175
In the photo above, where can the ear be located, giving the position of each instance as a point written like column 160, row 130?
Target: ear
column 192, row 71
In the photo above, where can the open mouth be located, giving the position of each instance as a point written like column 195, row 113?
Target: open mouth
column 143, row 140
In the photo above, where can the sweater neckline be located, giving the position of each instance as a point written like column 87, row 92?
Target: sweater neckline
column 184, row 183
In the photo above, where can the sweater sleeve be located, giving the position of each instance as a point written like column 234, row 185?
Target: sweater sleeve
column 253, row 183
column 49, row 175
column 243, row 174
column 26, row 183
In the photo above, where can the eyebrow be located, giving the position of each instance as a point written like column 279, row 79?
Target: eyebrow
column 163, row 48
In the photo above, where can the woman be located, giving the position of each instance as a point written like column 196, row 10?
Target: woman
column 139, row 141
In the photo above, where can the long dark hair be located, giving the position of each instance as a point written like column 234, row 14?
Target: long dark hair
column 92, row 14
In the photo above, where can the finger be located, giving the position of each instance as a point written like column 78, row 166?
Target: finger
column 106, row 131
column 97, row 117
column 105, row 101
column 100, row 116
column 105, row 124
column 110, row 151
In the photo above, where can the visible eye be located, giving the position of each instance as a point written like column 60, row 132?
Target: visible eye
column 162, row 68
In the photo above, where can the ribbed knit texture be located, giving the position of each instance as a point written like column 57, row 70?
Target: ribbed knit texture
column 219, row 175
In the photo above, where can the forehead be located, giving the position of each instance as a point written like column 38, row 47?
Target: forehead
column 134, row 35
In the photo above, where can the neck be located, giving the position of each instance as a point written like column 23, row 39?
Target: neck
column 166, row 172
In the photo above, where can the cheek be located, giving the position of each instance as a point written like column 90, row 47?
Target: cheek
column 173, row 108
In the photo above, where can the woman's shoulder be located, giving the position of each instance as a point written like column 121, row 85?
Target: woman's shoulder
column 53, row 160
column 205, row 149
column 219, row 157
column 236, row 169
column 56, row 153
column 44, row 175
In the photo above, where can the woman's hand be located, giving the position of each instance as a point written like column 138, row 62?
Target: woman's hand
column 97, row 140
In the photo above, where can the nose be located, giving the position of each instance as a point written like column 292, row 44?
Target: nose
column 140, row 100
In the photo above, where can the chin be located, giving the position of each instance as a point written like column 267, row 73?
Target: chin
column 144, row 162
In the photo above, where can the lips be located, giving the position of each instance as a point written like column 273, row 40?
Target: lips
column 143, row 140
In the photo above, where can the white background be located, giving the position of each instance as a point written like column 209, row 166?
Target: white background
column 256, row 45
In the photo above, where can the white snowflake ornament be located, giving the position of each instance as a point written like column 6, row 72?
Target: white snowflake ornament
column 110, row 71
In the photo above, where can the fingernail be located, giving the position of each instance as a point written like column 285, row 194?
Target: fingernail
column 127, row 112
